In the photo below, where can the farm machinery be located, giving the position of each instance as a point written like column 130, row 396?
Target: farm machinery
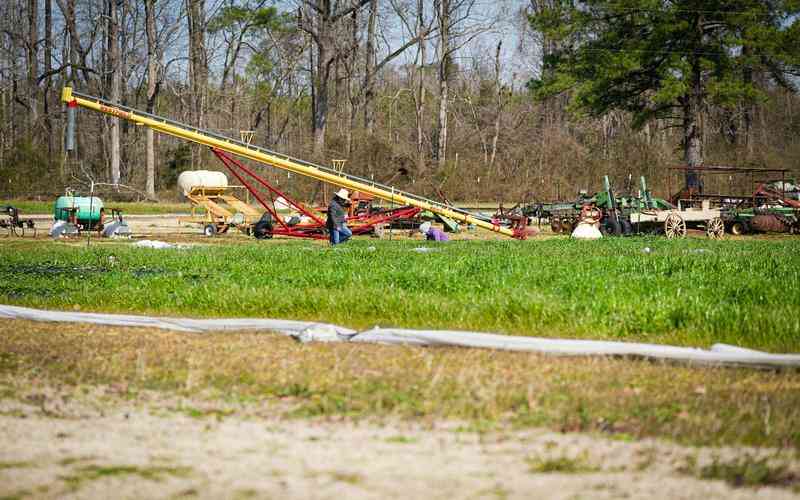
column 307, row 223
column 225, row 148
column 624, row 214
column 16, row 226
column 764, row 205
column 75, row 214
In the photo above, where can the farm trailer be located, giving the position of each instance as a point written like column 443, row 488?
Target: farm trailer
column 765, row 202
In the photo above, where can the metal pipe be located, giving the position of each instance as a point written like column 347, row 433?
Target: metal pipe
column 70, row 139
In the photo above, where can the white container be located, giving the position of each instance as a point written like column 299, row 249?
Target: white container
column 201, row 178
column 586, row 231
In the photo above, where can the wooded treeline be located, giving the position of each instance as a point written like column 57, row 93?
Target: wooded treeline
column 437, row 97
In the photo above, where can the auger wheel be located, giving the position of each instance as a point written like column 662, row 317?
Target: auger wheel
column 715, row 228
column 674, row 226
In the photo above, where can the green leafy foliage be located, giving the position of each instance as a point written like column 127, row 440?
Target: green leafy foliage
column 645, row 56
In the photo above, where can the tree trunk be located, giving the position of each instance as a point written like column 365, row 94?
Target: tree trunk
column 33, row 62
column 48, row 66
column 198, row 67
column 420, row 91
column 352, row 104
column 152, row 89
column 692, row 126
column 114, row 69
column 499, row 94
column 369, row 71
column 692, row 133
column 321, row 93
column 444, row 69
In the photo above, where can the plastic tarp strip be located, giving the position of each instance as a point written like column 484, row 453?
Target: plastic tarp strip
column 719, row 354
column 306, row 331
column 286, row 327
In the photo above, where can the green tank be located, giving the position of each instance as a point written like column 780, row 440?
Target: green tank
column 89, row 209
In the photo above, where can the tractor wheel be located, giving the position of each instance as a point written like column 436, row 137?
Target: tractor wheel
column 210, row 230
column 566, row 226
column 674, row 226
column 555, row 225
column 627, row 227
column 613, row 227
column 738, row 228
column 262, row 230
column 715, row 228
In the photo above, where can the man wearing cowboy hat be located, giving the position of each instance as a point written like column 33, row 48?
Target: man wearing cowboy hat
column 337, row 229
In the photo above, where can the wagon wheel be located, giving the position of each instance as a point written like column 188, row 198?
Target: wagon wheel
column 715, row 228
column 674, row 226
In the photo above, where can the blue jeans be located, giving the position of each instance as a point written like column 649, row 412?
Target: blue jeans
column 340, row 234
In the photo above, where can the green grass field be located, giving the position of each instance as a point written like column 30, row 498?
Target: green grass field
column 689, row 292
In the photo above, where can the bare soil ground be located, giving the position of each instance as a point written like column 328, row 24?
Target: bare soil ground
column 95, row 445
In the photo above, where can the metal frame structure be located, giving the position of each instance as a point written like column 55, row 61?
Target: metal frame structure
column 360, row 224
column 277, row 160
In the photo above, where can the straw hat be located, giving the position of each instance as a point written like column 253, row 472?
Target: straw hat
column 424, row 227
column 343, row 194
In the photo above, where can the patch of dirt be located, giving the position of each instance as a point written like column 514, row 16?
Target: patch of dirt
column 96, row 445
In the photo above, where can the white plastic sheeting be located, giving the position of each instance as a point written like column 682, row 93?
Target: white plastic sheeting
column 308, row 331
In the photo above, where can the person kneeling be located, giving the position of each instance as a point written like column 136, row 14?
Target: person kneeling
column 432, row 233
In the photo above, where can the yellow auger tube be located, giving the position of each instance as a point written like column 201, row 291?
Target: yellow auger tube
column 277, row 162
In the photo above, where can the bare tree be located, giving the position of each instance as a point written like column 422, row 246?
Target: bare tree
column 198, row 65
column 114, row 72
column 153, row 62
column 48, row 75
column 443, row 14
column 320, row 19
column 33, row 61
column 456, row 28
column 420, row 91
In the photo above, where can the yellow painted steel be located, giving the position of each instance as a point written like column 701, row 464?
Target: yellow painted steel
column 278, row 162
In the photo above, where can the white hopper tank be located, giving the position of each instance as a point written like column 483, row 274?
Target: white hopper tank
column 191, row 179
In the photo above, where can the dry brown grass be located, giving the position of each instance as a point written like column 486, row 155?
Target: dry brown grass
column 483, row 388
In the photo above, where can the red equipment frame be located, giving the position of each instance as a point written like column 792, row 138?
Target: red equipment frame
column 316, row 229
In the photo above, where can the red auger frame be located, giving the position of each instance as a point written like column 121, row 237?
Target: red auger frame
column 315, row 228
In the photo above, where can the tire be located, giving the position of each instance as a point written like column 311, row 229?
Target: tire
column 674, row 226
column 627, row 227
column 555, row 225
column 715, row 228
column 738, row 228
column 262, row 230
column 613, row 227
column 210, row 230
